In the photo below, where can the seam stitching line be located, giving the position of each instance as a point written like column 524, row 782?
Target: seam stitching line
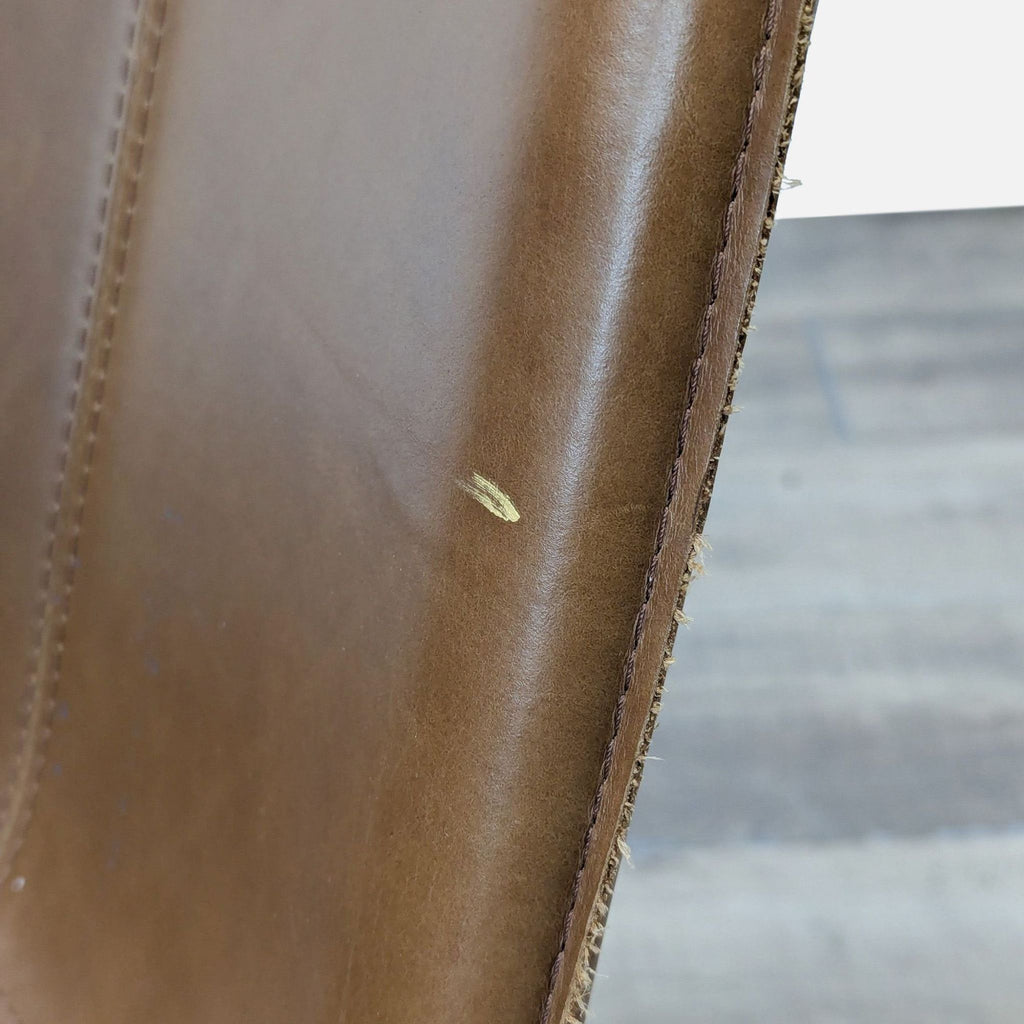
column 110, row 254
column 761, row 63
column 581, row 982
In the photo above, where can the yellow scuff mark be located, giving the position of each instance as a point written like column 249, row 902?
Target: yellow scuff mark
column 491, row 496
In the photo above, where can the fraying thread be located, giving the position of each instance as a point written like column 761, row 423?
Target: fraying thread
column 579, row 992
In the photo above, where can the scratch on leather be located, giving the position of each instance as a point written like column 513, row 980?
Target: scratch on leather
column 491, row 496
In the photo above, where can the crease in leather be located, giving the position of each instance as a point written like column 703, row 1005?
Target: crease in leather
column 85, row 404
column 586, row 964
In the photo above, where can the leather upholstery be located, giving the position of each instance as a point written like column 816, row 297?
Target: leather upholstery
column 363, row 365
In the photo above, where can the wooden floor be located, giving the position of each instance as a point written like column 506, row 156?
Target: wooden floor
column 836, row 830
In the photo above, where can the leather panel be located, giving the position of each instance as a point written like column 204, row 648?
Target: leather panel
column 331, row 728
column 61, row 83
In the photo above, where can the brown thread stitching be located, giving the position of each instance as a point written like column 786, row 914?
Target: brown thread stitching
column 707, row 322
column 53, row 612
column 583, row 976
column 67, row 429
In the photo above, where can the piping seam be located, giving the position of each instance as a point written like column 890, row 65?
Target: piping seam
column 761, row 64
column 105, row 277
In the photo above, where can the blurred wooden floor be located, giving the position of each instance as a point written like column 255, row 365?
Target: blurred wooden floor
column 836, row 830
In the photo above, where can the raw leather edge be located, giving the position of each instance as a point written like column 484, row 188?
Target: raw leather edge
column 581, row 984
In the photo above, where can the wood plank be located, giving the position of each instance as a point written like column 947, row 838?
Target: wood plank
column 886, row 932
column 835, row 831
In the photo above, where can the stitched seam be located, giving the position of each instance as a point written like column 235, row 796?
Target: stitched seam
column 105, row 277
column 761, row 63
column 583, row 976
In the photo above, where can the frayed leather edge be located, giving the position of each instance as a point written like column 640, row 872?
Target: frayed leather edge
column 586, row 964
column 105, row 277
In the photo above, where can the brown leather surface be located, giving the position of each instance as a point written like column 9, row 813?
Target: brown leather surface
column 318, row 735
column 60, row 76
